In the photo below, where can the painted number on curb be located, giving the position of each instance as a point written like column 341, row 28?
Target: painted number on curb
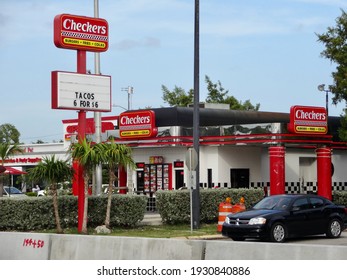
column 29, row 242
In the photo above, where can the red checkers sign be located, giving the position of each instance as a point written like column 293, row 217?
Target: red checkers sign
column 80, row 33
column 137, row 124
column 308, row 120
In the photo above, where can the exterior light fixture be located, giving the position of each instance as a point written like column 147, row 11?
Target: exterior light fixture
column 326, row 90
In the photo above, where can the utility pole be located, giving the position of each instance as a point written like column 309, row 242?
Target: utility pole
column 130, row 91
column 196, row 122
column 97, row 115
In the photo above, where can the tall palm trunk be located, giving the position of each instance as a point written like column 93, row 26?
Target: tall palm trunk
column 56, row 210
column 85, row 209
column 1, row 185
column 109, row 198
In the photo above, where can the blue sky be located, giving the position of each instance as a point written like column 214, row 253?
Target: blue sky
column 265, row 51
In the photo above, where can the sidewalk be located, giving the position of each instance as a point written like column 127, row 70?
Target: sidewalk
column 216, row 236
column 151, row 218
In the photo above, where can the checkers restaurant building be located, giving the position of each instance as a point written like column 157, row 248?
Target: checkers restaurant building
column 295, row 152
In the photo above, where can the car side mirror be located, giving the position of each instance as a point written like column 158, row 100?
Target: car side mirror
column 295, row 208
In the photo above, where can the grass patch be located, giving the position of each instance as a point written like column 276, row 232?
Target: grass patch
column 151, row 231
column 166, row 231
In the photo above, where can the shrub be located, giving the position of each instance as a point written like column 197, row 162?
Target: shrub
column 340, row 198
column 174, row 206
column 36, row 213
column 31, row 194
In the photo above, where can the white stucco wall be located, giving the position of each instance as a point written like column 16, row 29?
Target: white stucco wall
column 339, row 160
column 295, row 161
column 220, row 159
column 33, row 153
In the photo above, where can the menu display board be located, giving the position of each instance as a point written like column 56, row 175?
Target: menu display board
column 157, row 177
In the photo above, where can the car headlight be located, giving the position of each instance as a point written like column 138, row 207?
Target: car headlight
column 227, row 220
column 257, row 221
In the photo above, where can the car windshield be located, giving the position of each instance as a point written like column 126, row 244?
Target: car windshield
column 273, row 202
column 12, row 190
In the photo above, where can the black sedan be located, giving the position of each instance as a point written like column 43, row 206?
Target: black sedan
column 278, row 217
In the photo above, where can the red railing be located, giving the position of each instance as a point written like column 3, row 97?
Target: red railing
column 299, row 140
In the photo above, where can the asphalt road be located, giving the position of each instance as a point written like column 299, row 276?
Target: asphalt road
column 318, row 240
column 322, row 240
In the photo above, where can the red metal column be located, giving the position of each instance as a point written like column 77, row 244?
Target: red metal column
column 324, row 181
column 75, row 185
column 82, row 121
column 122, row 175
column 81, row 62
column 277, row 170
column 170, row 176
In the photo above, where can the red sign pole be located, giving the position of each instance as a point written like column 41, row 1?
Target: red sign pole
column 82, row 121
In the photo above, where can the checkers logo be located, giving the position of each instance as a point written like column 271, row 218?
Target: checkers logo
column 81, row 33
column 138, row 124
column 308, row 120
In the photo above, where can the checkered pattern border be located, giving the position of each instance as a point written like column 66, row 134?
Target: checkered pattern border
column 339, row 186
column 83, row 36
column 295, row 187
column 290, row 187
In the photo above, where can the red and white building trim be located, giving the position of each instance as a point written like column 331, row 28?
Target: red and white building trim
column 247, row 149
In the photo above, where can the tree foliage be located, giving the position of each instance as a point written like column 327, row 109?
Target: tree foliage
column 54, row 171
column 114, row 155
column 6, row 151
column 88, row 157
column 335, row 42
column 215, row 94
column 177, row 97
column 9, row 134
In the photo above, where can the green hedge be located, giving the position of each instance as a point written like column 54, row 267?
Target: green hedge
column 340, row 197
column 36, row 213
column 174, row 206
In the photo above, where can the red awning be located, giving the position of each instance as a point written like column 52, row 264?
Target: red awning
column 13, row 171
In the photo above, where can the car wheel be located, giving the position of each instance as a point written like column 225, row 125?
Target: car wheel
column 278, row 232
column 334, row 228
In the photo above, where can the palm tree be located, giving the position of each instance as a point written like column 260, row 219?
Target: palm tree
column 6, row 151
column 88, row 157
column 54, row 171
column 114, row 155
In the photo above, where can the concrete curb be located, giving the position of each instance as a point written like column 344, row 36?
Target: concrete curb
column 203, row 237
column 33, row 246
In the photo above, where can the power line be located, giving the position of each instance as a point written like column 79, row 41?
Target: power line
column 40, row 137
